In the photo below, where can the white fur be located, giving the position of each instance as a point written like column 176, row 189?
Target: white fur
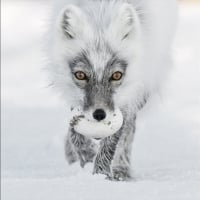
column 147, row 49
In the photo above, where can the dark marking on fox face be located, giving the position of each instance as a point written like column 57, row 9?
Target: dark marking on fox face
column 98, row 87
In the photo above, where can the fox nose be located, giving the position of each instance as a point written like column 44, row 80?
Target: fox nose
column 99, row 114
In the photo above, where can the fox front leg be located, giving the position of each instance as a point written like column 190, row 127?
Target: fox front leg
column 113, row 158
column 121, row 163
column 105, row 155
column 79, row 147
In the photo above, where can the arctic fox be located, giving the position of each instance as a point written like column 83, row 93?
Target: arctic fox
column 107, row 58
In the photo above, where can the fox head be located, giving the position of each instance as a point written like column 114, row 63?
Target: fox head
column 95, row 52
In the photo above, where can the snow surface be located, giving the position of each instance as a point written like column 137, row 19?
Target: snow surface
column 166, row 153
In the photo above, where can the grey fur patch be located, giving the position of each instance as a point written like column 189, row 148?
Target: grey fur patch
column 106, row 153
column 84, row 147
column 143, row 101
column 80, row 59
column 70, row 152
column 98, row 91
column 66, row 26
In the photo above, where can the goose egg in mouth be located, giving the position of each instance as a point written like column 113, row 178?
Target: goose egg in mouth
column 85, row 124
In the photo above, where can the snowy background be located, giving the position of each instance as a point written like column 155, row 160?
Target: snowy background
column 166, row 153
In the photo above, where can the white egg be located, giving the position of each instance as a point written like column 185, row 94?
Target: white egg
column 93, row 128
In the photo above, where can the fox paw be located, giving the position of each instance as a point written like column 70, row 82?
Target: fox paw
column 101, row 170
column 120, row 173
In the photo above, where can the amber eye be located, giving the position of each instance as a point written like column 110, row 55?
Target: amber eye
column 116, row 76
column 80, row 75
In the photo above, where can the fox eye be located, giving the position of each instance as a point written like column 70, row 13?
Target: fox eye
column 80, row 75
column 116, row 76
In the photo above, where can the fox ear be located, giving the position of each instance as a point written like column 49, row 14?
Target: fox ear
column 73, row 22
column 124, row 22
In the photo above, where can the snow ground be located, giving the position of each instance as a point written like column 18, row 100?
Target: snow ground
column 166, row 153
